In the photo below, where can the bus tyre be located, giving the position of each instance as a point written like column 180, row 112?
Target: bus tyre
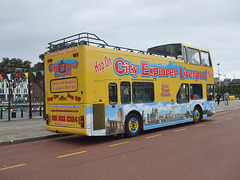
column 132, row 125
column 196, row 115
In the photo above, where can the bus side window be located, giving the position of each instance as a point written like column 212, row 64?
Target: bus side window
column 112, row 88
column 143, row 92
column 183, row 94
column 125, row 92
column 196, row 91
column 210, row 92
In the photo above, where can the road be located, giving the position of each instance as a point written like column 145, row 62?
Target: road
column 207, row 150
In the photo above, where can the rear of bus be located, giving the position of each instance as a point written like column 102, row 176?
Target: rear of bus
column 64, row 91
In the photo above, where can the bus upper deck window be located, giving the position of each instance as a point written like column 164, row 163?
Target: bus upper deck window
column 205, row 58
column 185, row 55
column 194, row 56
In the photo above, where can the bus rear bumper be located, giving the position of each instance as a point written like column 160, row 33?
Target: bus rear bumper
column 58, row 129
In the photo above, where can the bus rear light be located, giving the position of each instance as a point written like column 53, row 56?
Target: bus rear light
column 47, row 122
column 82, row 121
column 75, row 55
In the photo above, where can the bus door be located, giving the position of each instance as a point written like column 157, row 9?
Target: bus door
column 183, row 97
column 114, row 110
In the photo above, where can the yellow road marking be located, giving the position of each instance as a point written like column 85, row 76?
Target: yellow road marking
column 71, row 154
column 154, row 136
column 216, row 121
column 222, row 112
column 229, row 119
column 10, row 167
column 180, row 130
column 200, row 125
column 119, row 144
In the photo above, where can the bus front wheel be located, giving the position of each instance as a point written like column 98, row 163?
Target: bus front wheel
column 197, row 115
column 132, row 125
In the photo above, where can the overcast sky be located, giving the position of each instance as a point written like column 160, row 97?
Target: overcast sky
column 28, row 25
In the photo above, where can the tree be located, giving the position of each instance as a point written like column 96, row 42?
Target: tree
column 39, row 78
column 14, row 65
column 41, row 56
column 232, row 88
column 37, row 82
column 12, row 71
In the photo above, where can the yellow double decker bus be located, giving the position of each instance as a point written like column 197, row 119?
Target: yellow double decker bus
column 96, row 89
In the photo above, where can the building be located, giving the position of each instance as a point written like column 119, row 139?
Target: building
column 20, row 93
column 37, row 92
column 226, row 81
column 236, row 81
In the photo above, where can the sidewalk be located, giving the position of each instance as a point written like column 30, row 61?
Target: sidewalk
column 232, row 106
column 24, row 129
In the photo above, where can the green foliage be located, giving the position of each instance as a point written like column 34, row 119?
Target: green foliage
column 39, row 78
column 38, row 67
column 14, row 66
column 233, row 89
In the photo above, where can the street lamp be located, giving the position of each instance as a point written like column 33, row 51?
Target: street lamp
column 218, row 64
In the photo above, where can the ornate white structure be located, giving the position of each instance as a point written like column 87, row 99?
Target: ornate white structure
column 20, row 93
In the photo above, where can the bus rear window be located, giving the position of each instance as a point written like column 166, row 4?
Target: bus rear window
column 143, row 92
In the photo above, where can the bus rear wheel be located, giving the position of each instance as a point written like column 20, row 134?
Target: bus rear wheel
column 197, row 115
column 132, row 125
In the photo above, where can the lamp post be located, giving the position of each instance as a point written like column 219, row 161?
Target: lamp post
column 218, row 64
column 29, row 99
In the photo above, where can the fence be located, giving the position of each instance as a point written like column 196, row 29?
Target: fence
column 22, row 111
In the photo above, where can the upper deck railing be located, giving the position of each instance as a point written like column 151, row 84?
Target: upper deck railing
column 85, row 39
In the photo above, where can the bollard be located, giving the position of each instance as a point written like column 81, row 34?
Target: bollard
column 1, row 112
column 14, row 114
column 40, row 111
column 22, row 112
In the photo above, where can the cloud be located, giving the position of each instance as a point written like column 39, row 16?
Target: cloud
column 27, row 26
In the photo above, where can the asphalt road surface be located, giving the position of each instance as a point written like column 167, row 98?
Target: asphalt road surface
column 207, row 150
